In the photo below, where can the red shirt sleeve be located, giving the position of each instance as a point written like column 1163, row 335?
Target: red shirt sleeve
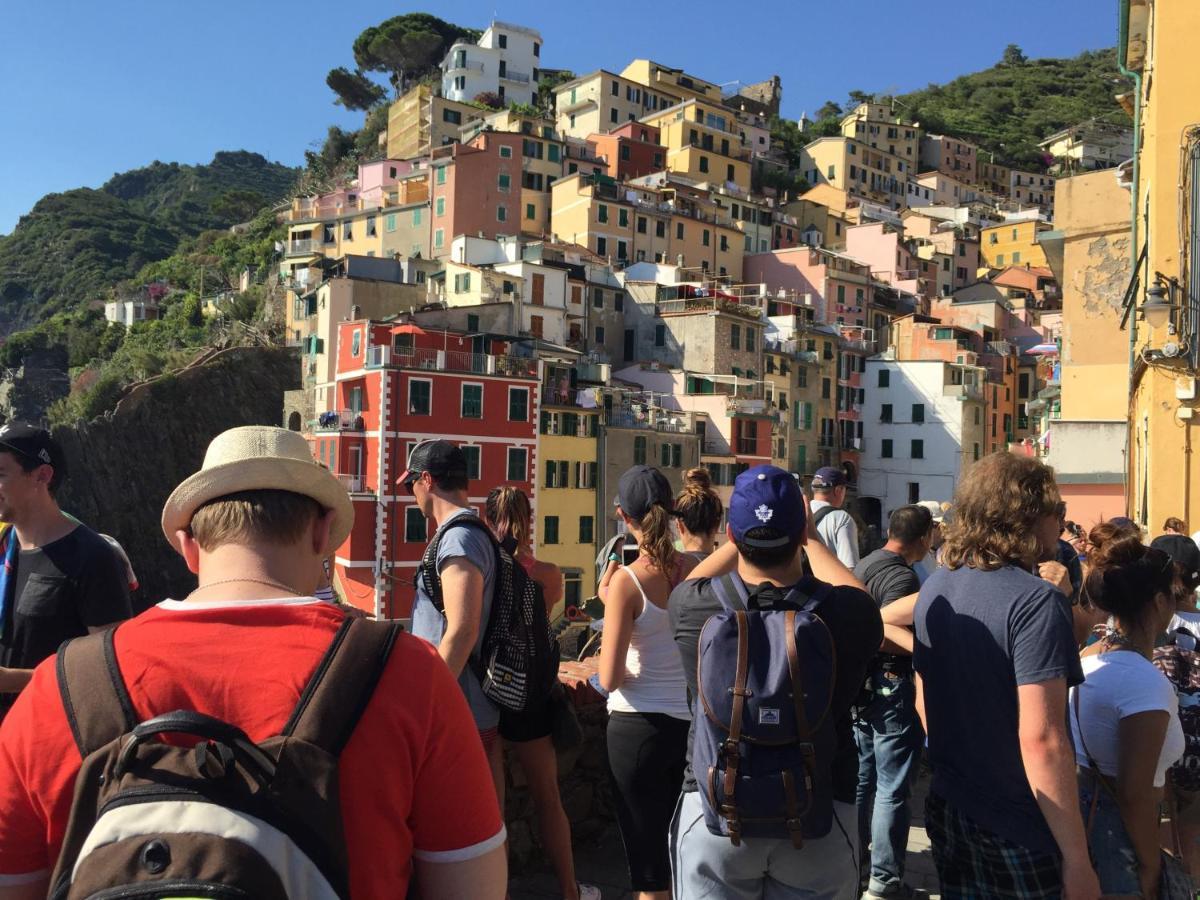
column 453, row 774
column 38, row 766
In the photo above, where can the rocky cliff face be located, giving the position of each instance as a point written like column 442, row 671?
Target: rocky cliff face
column 26, row 393
column 122, row 467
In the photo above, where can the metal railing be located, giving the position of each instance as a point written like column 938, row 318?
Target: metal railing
column 352, row 483
column 302, row 248
column 669, row 424
column 465, row 66
column 748, row 447
column 706, row 304
column 451, row 361
column 510, row 75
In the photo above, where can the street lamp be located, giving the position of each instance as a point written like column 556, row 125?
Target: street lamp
column 1157, row 308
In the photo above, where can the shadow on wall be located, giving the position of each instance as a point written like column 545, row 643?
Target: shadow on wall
column 121, row 467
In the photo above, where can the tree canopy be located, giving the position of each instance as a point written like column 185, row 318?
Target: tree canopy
column 405, row 48
column 354, row 89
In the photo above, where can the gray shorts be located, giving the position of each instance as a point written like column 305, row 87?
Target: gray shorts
column 706, row 866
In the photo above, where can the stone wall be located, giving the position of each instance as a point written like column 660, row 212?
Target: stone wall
column 27, row 392
column 582, row 778
column 121, row 467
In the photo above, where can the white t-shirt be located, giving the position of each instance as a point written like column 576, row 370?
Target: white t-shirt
column 1117, row 684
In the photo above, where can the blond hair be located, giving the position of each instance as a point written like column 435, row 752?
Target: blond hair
column 509, row 513
column 277, row 517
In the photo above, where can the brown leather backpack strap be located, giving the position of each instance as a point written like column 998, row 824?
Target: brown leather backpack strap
column 339, row 689
column 732, row 754
column 95, row 699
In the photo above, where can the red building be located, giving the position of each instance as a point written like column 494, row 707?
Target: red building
column 630, row 151
column 396, row 385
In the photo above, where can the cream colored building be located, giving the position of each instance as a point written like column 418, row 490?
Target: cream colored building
column 421, row 120
column 601, row 101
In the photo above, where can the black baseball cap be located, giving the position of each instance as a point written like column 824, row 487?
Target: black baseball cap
column 441, row 459
column 641, row 488
column 828, row 477
column 34, row 444
column 1183, row 550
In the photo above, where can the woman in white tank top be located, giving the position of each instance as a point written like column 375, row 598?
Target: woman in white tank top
column 640, row 667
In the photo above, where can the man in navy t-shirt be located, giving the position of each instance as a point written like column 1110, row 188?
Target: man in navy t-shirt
column 995, row 654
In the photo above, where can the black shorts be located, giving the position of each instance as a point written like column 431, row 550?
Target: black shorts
column 527, row 726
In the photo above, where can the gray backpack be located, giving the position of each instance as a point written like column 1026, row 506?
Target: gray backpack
column 221, row 818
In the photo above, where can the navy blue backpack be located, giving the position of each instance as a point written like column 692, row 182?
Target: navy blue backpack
column 764, row 740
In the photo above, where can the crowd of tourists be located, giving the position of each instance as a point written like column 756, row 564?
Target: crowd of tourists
column 773, row 692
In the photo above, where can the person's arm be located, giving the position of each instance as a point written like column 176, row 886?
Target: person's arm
column 847, row 542
column 920, row 701
column 827, row 567
column 550, row 577
column 481, row 878
column 897, row 639
column 462, row 598
column 720, row 562
column 619, row 615
column 1049, row 760
column 901, row 611
column 13, row 681
column 1140, row 740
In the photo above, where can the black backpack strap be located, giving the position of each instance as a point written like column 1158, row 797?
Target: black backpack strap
column 820, row 514
column 342, row 684
column 93, row 692
column 428, row 568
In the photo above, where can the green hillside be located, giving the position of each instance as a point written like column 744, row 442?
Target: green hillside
column 73, row 246
column 1010, row 107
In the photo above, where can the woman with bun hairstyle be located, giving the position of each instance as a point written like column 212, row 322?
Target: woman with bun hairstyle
column 698, row 512
column 640, row 667
column 1125, row 715
column 509, row 515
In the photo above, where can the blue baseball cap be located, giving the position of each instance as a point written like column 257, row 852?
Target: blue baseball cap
column 828, row 477
column 768, row 498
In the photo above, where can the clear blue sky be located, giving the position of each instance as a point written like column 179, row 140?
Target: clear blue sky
column 92, row 88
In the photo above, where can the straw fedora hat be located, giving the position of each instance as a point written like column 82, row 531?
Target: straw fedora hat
column 256, row 458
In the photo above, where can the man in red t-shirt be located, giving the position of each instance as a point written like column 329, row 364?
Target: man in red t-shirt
column 254, row 525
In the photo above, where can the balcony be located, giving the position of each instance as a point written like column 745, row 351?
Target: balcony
column 666, row 423
column 963, row 392
column 705, row 305
column 565, row 105
column 555, row 396
column 340, row 420
column 464, row 66
column 451, row 361
column 748, row 447
column 352, row 483
column 518, row 77
column 303, row 248
column 741, row 406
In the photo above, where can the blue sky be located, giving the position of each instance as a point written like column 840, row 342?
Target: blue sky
column 93, row 88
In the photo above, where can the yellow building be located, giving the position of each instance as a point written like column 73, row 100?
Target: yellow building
column 875, row 125
column 857, row 168
column 703, row 142
column 600, row 101
column 421, row 120
column 1012, row 244
column 1159, row 37
column 676, row 223
column 670, row 81
column 567, row 466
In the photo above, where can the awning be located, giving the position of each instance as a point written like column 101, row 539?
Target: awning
column 1042, row 350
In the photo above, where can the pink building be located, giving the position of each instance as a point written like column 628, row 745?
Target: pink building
column 839, row 285
column 476, row 189
column 882, row 248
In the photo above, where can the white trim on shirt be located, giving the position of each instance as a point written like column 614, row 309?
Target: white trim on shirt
column 463, row 853
column 183, row 605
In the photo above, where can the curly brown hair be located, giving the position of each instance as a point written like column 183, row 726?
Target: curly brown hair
column 698, row 508
column 996, row 510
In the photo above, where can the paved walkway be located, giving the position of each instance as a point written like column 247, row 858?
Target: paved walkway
column 603, row 864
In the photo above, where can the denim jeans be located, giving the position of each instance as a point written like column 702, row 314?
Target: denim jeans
column 889, row 738
column 1111, row 849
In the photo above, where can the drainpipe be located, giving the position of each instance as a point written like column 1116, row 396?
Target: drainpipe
column 1122, row 49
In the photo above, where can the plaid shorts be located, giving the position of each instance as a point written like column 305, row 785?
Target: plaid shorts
column 973, row 864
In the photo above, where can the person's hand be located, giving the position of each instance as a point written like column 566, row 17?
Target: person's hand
column 809, row 524
column 1057, row 575
column 1080, row 881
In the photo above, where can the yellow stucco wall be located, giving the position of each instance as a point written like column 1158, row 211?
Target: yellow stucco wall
column 568, row 504
column 1163, row 477
column 1000, row 245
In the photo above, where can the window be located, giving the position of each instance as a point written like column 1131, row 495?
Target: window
column 556, row 473
column 679, row 231
column 914, row 492
column 347, row 231
column 639, row 451
column 599, row 334
column 660, row 335
column 602, row 214
column 704, row 164
column 389, row 222
column 453, row 116
column 530, row 211
column 975, row 448
column 825, row 388
column 439, row 206
column 517, row 463
column 440, row 177
column 505, row 151
column 977, row 415
column 750, row 339
column 623, row 217
column 918, row 449
column 585, row 530
column 1016, row 258
column 471, row 453
column 885, row 448
column 472, row 401
column 828, row 350
column 918, row 413
column 724, row 243
column 999, row 259
column 613, row 116
column 885, row 378
column 830, row 172
column 356, row 343
column 518, row 404
column 598, row 299
column 439, row 238
column 660, row 228
column 416, row 527
column 420, row 394
column 501, row 214
column 537, row 49
column 885, row 413
column 616, row 89
column 503, row 182
column 622, row 250
column 735, row 337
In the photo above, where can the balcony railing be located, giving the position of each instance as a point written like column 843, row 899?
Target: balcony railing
column 340, row 420
column 963, row 391
column 451, row 361
column 302, row 248
column 705, row 304
column 465, row 66
column 670, row 424
column 555, row 396
column 518, row 77
column 747, row 447
column 352, row 483
column 742, row 406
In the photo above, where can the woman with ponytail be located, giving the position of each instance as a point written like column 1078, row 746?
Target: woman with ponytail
column 510, row 517
column 1125, row 715
column 640, row 667
column 698, row 512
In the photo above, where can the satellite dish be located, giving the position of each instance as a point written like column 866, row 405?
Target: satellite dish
column 1171, row 349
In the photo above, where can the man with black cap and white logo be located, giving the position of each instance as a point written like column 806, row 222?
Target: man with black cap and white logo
column 436, row 478
column 58, row 579
column 836, row 528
